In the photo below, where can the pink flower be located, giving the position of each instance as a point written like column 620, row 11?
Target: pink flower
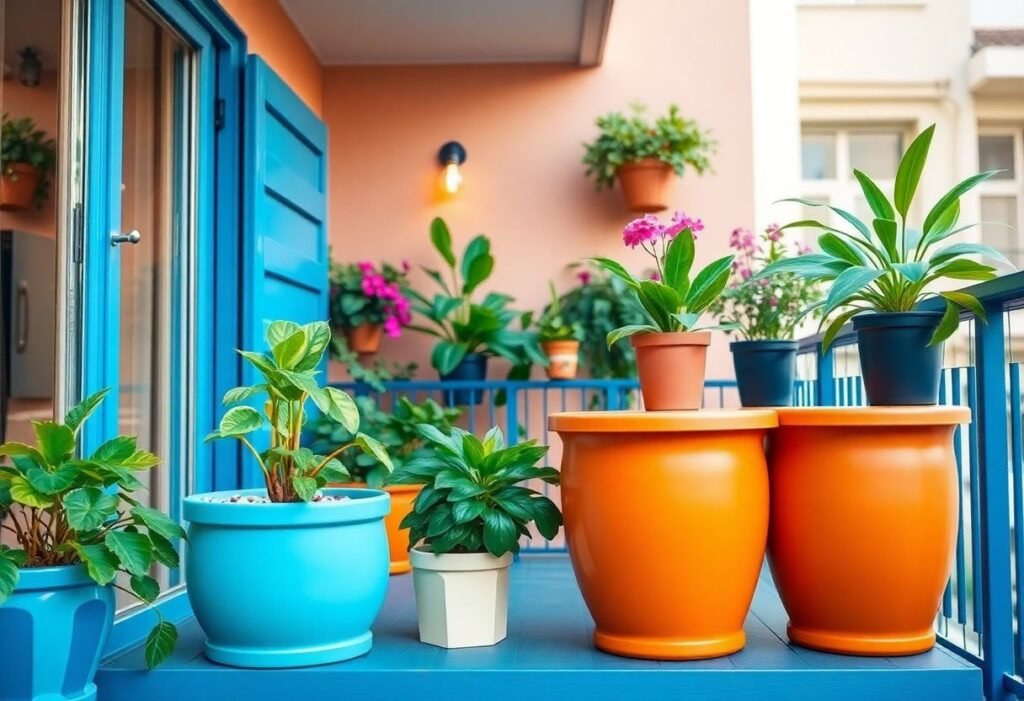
column 364, row 267
column 744, row 272
column 584, row 277
column 803, row 249
column 681, row 222
column 392, row 328
column 405, row 266
column 641, row 230
column 656, row 276
column 772, row 232
column 773, row 301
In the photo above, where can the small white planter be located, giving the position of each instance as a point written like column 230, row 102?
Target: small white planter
column 461, row 598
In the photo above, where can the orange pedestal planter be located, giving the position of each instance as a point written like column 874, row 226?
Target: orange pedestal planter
column 666, row 516
column 402, row 497
column 863, row 524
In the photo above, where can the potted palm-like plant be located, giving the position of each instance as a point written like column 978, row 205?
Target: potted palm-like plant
column 671, row 347
column 367, row 302
column 468, row 331
column 646, row 157
column 766, row 313
column 280, row 536
column 560, row 340
column 27, row 157
column 880, row 273
column 467, row 521
column 75, row 527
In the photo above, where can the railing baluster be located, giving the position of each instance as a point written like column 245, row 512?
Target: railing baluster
column 975, row 477
column 1017, row 466
column 961, row 554
column 826, row 377
column 947, row 595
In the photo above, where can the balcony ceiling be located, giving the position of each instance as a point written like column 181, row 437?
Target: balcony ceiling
column 391, row 32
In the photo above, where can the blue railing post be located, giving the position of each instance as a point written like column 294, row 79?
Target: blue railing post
column 994, row 497
column 512, row 415
column 826, row 389
column 612, row 398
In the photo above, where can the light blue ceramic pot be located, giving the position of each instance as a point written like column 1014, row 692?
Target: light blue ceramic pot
column 52, row 632
column 287, row 585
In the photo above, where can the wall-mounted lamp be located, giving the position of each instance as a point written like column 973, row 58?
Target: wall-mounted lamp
column 31, row 69
column 452, row 155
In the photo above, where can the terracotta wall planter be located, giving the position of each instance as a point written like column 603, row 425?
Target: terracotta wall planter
column 863, row 524
column 666, row 516
column 671, row 367
column 564, row 357
column 646, row 184
column 18, row 190
column 365, row 338
column 402, row 497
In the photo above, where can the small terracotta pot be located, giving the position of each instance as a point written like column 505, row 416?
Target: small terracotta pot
column 402, row 497
column 671, row 367
column 17, row 190
column 667, row 561
column 863, row 524
column 646, row 184
column 365, row 338
column 564, row 357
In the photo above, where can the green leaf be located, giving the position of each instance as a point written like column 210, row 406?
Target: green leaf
column 500, row 533
column 914, row 272
column 115, row 451
column 967, row 301
column 304, row 486
column 625, row 331
column 289, row 352
column 240, row 420
column 888, row 233
column 132, row 549
column 52, row 482
column 160, row 643
column 908, row 174
column 446, row 356
column 98, row 560
column 847, row 216
column 16, row 450
column 876, row 199
column 838, row 248
column 77, row 414
column 955, row 193
column 547, row 517
column 835, row 326
column 660, row 301
column 8, row 575
column 617, row 270
column 813, row 266
column 678, row 262
column 848, row 284
column 240, row 394
column 467, row 510
column 708, row 285
column 278, row 331
column 145, row 587
column 163, row 550
column 965, row 269
column 339, row 406
column 375, row 449
column 56, row 442
column 24, row 493
column 442, row 240
column 948, row 326
column 157, row 522
column 967, row 249
column 464, row 489
column 318, row 337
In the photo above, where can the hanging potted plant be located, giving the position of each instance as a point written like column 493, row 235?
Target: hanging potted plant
column 75, row 527
column 559, row 339
column 469, row 332
column 293, row 574
column 765, row 313
column 366, row 303
column 671, row 348
column 467, row 521
column 646, row 157
column 397, row 432
column 880, row 273
column 27, row 158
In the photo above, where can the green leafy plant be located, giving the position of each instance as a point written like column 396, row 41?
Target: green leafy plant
column 672, row 301
column 291, row 472
column 64, row 510
column 462, row 325
column 888, row 266
column 553, row 326
column 22, row 142
column 396, row 431
column 672, row 139
column 362, row 294
column 373, row 375
column 471, row 499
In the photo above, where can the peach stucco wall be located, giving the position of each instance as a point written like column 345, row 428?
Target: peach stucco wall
column 522, row 126
column 272, row 34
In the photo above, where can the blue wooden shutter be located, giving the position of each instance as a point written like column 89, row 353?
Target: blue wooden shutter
column 285, row 213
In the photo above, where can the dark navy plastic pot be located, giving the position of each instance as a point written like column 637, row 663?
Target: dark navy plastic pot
column 765, row 371
column 898, row 366
column 473, row 367
column 52, row 632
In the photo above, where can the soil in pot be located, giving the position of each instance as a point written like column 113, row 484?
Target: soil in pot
column 765, row 372
column 365, row 338
column 563, row 357
column 668, row 560
column 646, row 184
column 473, row 367
column 898, row 366
column 18, row 189
column 863, row 524
column 671, row 367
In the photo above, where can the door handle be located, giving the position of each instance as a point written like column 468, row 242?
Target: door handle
column 21, row 322
column 132, row 237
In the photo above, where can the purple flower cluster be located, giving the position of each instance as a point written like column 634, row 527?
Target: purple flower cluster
column 397, row 312
column 649, row 228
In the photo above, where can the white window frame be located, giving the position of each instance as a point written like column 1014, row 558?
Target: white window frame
column 1007, row 188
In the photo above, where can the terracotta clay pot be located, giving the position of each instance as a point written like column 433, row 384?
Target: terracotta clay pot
column 671, row 367
column 646, row 184
column 668, row 559
column 402, row 497
column 18, row 189
column 365, row 338
column 863, row 524
column 564, row 357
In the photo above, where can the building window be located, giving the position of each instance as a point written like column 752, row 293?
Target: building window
column 1002, row 196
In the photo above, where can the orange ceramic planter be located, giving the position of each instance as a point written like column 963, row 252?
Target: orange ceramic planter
column 402, row 497
column 563, row 357
column 365, row 338
column 863, row 524
column 646, row 184
column 671, row 367
column 666, row 516
column 18, row 187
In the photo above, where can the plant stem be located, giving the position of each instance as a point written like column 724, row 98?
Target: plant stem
column 327, row 459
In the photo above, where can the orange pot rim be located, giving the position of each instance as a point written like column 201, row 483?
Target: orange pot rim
column 649, row 162
column 662, row 421
column 875, row 416
column 390, row 489
column 19, row 167
column 671, row 338
column 567, row 343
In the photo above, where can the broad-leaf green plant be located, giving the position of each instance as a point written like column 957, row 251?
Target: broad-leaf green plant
column 293, row 473
column 553, row 326
column 61, row 509
column 21, row 141
column 472, row 500
column 889, row 265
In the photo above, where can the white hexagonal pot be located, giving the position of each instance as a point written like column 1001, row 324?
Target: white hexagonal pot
column 461, row 598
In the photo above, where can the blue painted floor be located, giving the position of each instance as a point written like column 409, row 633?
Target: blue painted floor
column 548, row 655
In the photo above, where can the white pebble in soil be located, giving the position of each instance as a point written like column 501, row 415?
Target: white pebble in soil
column 255, row 499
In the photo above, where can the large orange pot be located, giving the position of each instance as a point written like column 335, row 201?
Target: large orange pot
column 863, row 524
column 671, row 367
column 646, row 184
column 18, row 183
column 402, row 497
column 666, row 516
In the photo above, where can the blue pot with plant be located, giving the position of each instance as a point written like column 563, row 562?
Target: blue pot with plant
column 293, row 574
column 764, row 313
column 879, row 274
column 75, row 527
column 468, row 332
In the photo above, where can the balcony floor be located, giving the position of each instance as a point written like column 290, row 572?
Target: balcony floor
column 548, row 655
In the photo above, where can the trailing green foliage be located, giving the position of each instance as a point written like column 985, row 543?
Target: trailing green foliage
column 64, row 510
column 22, row 142
column 552, row 324
column 472, row 500
column 888, row 266
column 291, row 472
